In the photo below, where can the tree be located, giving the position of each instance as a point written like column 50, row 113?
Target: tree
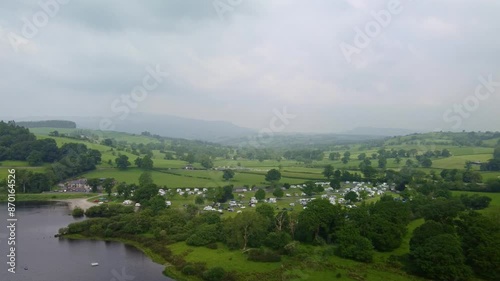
column 122, row 162
column 190, row 158
column 397, row 160
column 214, row 274
column 328, row 171
column 426, row 162
column 472, row 177
column 351, row 196
column 107, row 142
column 442, row 210
column 123, row 189
column 266, row 210
column 245, row 229
column 228, row 174
column 321, row 218
column 277, row 240
column 206, row 162
column 347, row 155
column 445, row 153
column 147, row 163
column 278, row 192
column 146, row 192
column 480, row 237
column 383, row 234
column 199, row 200
column 54, row 133
column 260, row 194
column 273, row 175
column 108, row 184
column 35, row 158
column 145, row 179
column 352, row 245
column 345, row 160
column 382, row 162
column 334, row 156
column 335, row 183
column 441, row 258
column 362, row 156
column 157, row 204
column 224, row 193
column 496, row 153
column 309, row 188
column 94, row 183
column 138, row 162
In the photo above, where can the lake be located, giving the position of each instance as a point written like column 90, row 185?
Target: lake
column 52, row 259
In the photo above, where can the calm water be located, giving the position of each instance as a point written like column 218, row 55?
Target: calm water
column 52, row 259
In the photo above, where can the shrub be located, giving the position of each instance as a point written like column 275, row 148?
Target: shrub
column 189, row 270
column 205, row 234
column 212, row 246
column 77, row 212
column 277, row 240
column 196, row 268
column 263, row 255
column 329, row 251
column 214, row 274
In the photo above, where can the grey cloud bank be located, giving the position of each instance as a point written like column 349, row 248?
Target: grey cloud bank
column 237, row 61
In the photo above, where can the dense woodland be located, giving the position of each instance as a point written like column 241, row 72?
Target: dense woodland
column 71, row 159
column 48, row 124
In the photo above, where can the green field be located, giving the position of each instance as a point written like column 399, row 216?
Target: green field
column 493, row 209
column 118, row 136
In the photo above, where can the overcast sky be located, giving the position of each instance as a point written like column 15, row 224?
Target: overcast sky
column 238, row 60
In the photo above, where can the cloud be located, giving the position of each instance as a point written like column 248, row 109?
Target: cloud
column 261, row 55
column 439, row 27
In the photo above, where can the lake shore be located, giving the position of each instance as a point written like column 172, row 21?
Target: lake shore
column 79, row 199
column 82, row 203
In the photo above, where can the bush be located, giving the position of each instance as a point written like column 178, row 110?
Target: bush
column 291, row 248
column 212, row 246
column 277, row 240
column 214, row 274
column 263, row 255
column 63, row 231
column 194, row 268
column 189, row 270
column 77, row 212
column 329, row 251
column 204, row 235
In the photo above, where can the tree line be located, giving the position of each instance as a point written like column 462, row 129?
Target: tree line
column 71, row 159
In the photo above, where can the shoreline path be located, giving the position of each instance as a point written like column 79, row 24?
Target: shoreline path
column 79, row 202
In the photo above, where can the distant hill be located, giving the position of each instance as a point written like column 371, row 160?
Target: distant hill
column 171, row 126
column 48, row 123
column 388, row 132
column 300, row 140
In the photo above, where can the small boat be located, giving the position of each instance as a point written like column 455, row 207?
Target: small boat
column 94, row 264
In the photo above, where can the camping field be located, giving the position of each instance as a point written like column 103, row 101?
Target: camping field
column 342, row 269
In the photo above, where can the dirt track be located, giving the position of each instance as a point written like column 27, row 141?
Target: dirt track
column 80, row 202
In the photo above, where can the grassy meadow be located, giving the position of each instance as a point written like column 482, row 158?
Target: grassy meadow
column 170, row 173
